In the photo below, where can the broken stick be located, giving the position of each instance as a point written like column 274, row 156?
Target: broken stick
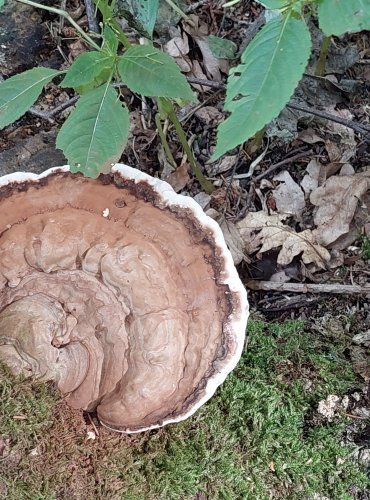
column 274, row 286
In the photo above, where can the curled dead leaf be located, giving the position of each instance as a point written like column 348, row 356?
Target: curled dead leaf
column 262, row 232
column 337, row 201
column 288, row 196
column 233, row 240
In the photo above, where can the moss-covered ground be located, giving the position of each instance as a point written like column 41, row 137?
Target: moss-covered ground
column 257, row 439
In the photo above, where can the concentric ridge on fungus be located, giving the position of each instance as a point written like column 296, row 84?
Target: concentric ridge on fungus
column 119, row 290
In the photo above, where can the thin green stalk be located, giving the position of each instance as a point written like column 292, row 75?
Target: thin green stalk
column 65, row 14
column 107, row 13
column 320, row 66
column 120, row 34
column 177, row 9
column 164, row 141
column 207, row 186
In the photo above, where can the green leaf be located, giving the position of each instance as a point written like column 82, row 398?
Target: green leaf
column 95, row 133
column 147, row 14
column 258, row 89
column 140, row 14
column 337, row 17
column 221, row 47
column 152, row 73
column 110, row 43
column 18, row 93
column 86, row 68
column 273, row 4
column 2, row 3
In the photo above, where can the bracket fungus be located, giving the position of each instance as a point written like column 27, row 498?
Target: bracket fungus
column 121, row 291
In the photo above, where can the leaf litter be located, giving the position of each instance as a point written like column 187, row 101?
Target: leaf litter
column 262, row 232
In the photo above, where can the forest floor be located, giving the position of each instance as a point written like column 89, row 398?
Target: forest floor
column 293, row 420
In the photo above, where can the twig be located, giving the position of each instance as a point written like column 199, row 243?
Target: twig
column 207, row 83
column 63, row 5
column 41, row 114
column 58, row 109
column 93, row 424
column 269, row 286
column 91, row 19
column 64, row 105
column 251, row 32
column 357, row 127
column 281, row 163
column 195, row 5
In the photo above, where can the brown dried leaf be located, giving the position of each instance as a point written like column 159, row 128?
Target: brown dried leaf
column 226, row 163
column 179, row 178
column 309, row 136
column 288, row 196
column 360, row 357
column 312, row 178
column 346, row 149
column 209, row 115
column 199, row 32
column 264, row 232
column 197, row 72
column 233, row 240
column 337, row 201
column 178, row 48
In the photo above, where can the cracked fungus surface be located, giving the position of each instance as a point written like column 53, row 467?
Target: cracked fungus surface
column 125, row 308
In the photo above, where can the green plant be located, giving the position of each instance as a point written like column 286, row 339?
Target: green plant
column 274, row 62
column 95, row 134
column 365, row 247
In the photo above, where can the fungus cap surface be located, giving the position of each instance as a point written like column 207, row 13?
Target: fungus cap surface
column 121, row 291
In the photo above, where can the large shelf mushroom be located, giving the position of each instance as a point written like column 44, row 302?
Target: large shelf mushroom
column 119, row 290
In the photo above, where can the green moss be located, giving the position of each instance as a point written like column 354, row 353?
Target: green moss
column 251, row 441
column 26, row 406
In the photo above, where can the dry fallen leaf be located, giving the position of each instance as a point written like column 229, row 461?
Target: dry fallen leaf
column 219, row 167
column 312, row 178
column 179, row 178
column 337, row 201
column 288, row 195
column 309, row 136
column 203, row 199
column 199, row 31
column 360, row 354
column 346, row 149
column 178, row 48
column 262, row 232
column 209, row 115
column 233, row 240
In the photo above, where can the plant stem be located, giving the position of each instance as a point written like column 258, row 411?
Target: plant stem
column 120, row 34
column 65, row 14
column 177, row 9
column 107, row 13
column 320, row 66
column 164, row 142
column 207, row 186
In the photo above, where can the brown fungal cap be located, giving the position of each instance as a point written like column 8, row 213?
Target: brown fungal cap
column 119, row 290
